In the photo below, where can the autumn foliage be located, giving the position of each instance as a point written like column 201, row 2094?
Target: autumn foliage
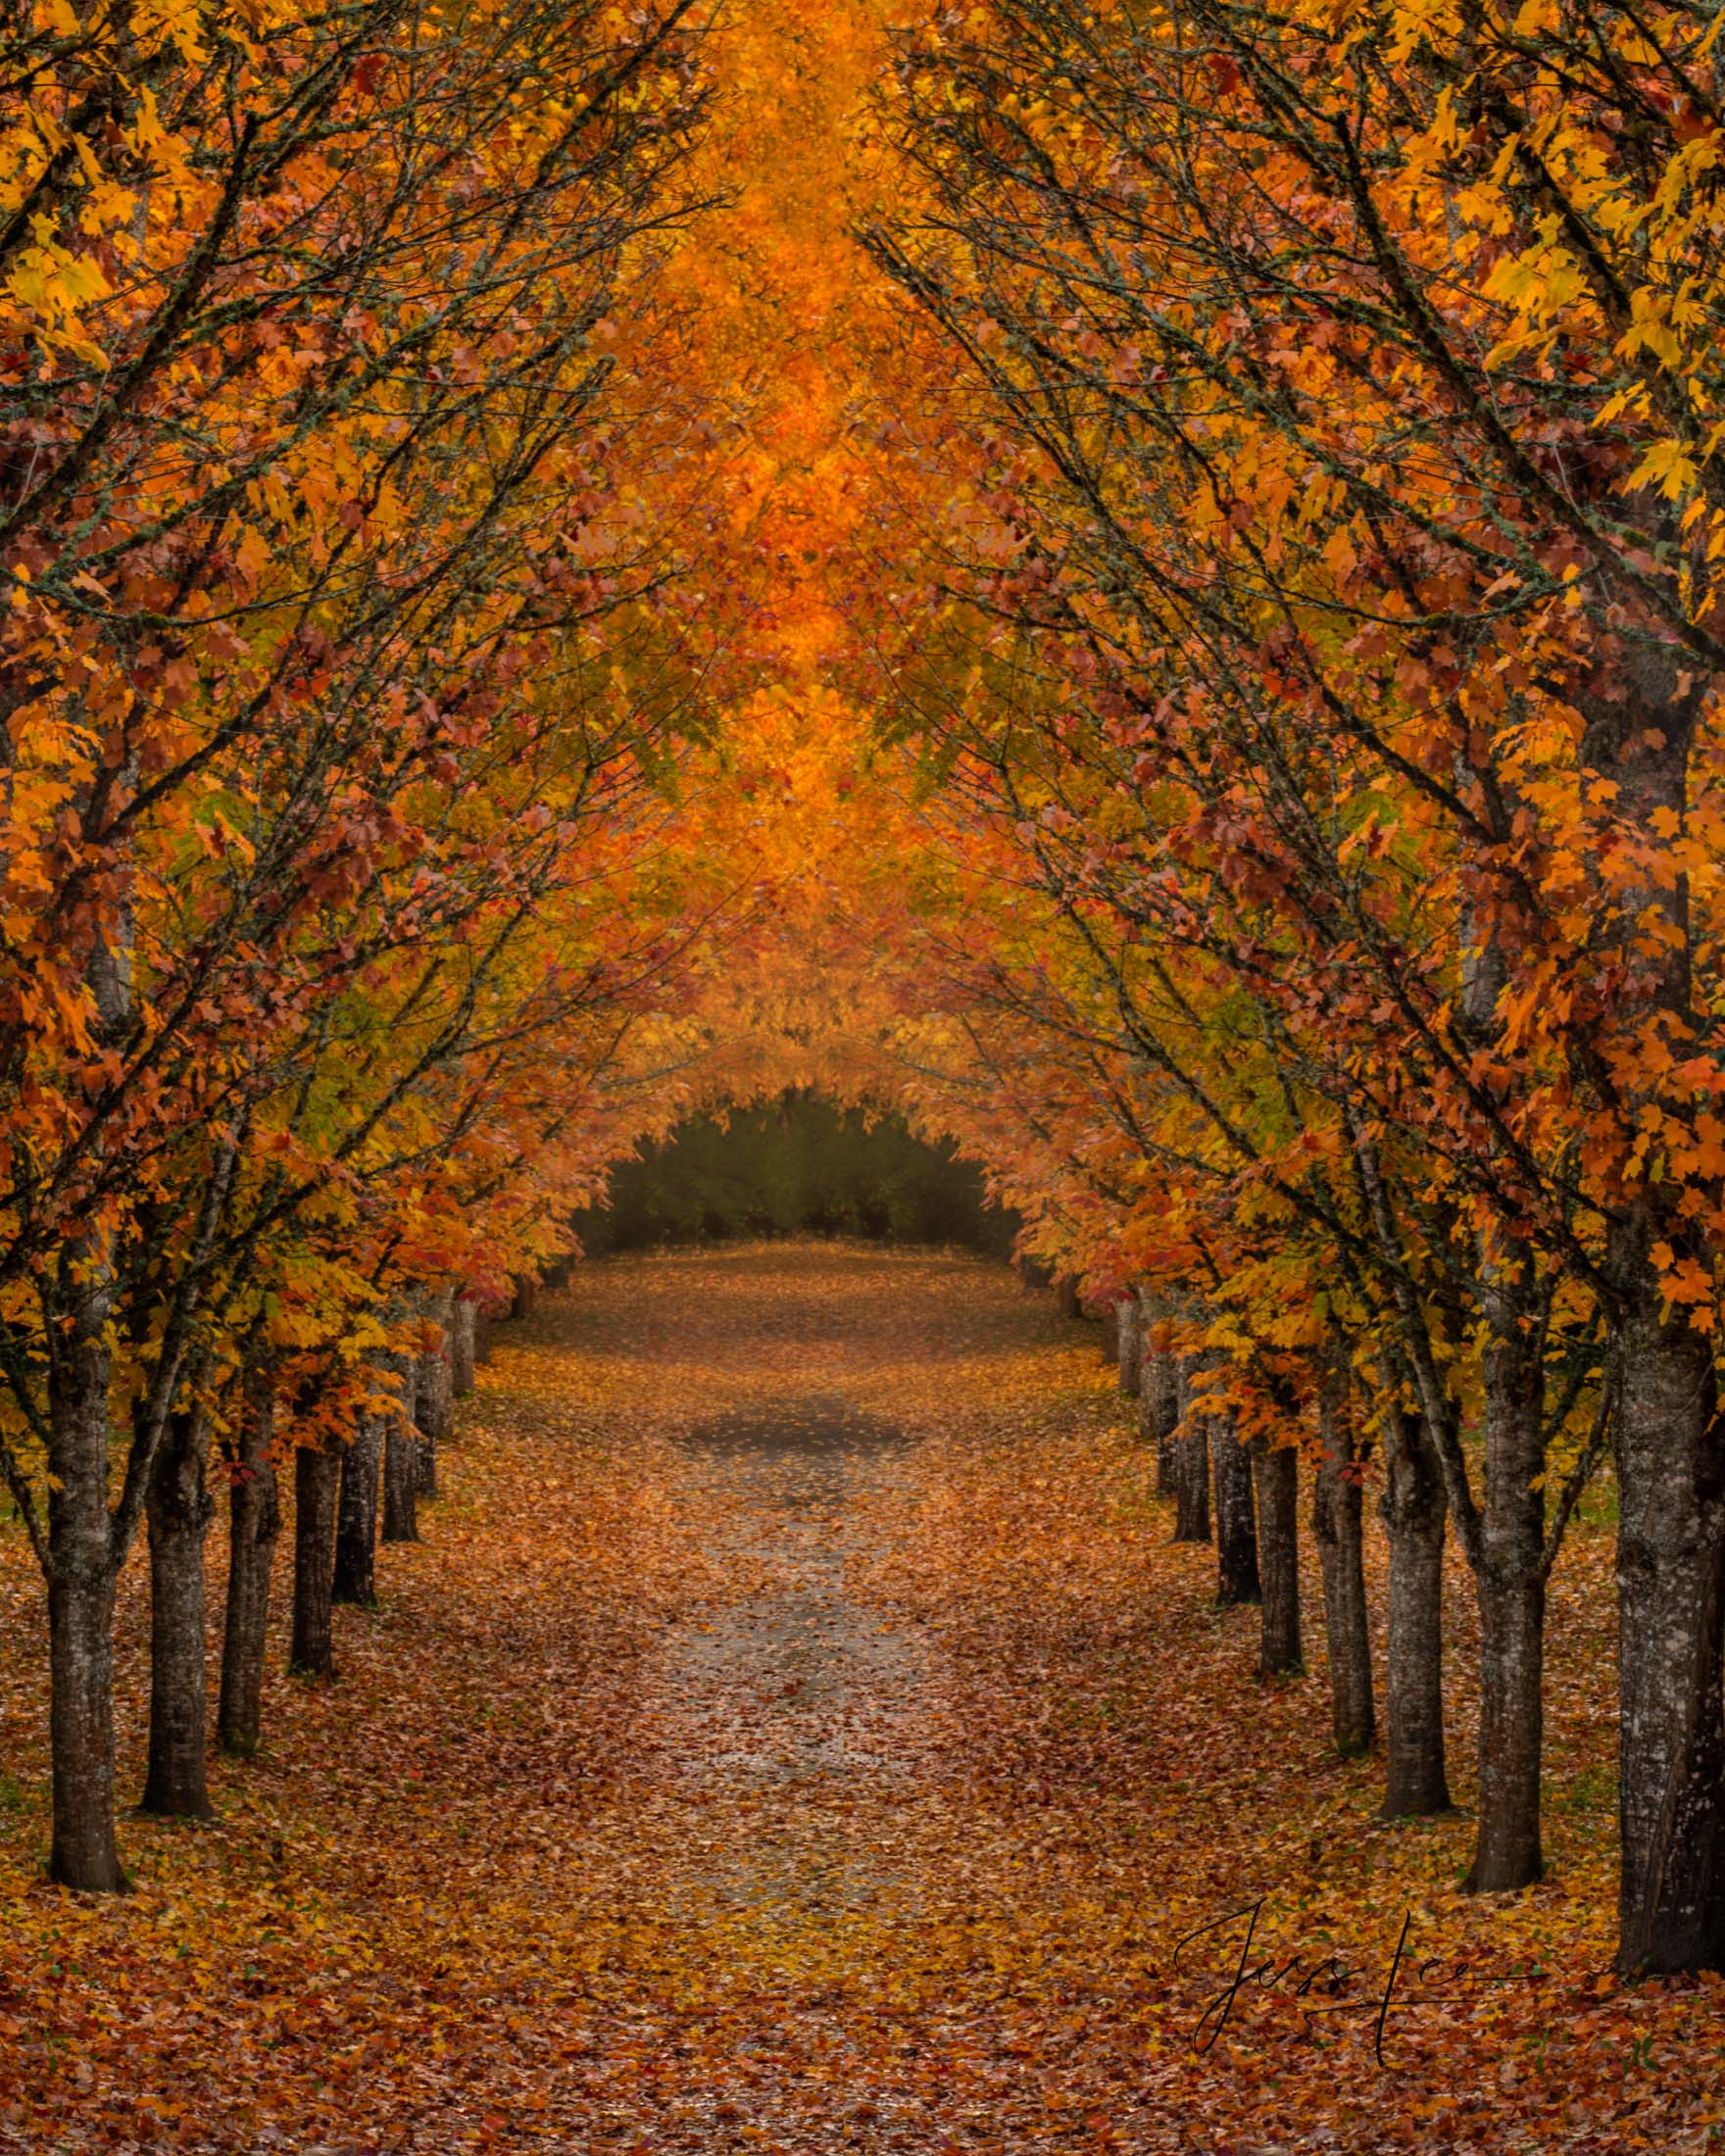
column 334, row 685
column 1141, row 586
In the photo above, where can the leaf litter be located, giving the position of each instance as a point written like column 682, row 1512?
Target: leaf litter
column 797, row 1732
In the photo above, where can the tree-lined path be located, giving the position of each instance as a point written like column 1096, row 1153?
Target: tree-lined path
column 814, row 1742
column 1138, row 588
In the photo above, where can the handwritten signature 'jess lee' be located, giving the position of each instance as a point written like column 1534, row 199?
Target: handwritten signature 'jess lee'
column 1404, row 1981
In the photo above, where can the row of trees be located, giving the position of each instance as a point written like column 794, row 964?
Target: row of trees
column 1322, row 925
column 337, row 665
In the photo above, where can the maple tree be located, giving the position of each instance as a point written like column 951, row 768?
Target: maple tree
column 1139, row 587
column 1340, row 488
column 325, row 787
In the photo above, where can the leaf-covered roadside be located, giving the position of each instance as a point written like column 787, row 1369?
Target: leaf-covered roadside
column 489, row 1890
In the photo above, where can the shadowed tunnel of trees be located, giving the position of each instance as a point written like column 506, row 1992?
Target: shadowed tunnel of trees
column 799, row 1165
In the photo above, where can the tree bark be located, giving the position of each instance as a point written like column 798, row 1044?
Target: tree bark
column 1672, row 1634
column 484, row 1337
column 1191, row 1448
column 178, row 1510
column 80, row 1675
column 1066, row 1296
column 400, row 1462
column 1110, row 1315
column 1237, row 1578
column 315, row 1473
column 433, row 1393
column 1275, row 1475
column 1191, row 1510
column 354, row 1578
column 1159, row 1396
column 1509, row 1583
column 1640, row 736
column 526, row 1295
column 254, row 1524
column 1130, row 1321
column 464, row 1322
column 1505, row 1536
column 1413, row 1513
column 82, row 1576
column 1337, row 1508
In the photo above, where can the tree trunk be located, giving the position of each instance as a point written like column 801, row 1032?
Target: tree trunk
column 400, row 1462
column 1671, row 1633
column 464, row 1321
column 354, row 1578
column 1413, row 1513
column 1511, row 1586
column 1191, row 1461
column 80, row 1672
column 1236, row 1531
column 1109, row 1315
column 1066, row 1296
column 1337, row 1507
column 1275, row 1475
column 179, row 1509
column 484, row 1337
column 82, row 1576
column 1150, row 1436
column 433, row 1393
column 526, row 1295
column 1640, row 735
column 1159, row 1396
column 82, row 1563
column 253, row 1523
column 1131, row 1343
column 315, row 1473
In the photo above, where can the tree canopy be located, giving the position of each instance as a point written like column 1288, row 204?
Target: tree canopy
column 1136, row 587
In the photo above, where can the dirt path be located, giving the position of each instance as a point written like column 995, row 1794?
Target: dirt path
column 800, row 1691
column 796, row 1732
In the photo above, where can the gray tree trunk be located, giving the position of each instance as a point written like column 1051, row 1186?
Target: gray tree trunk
column 1671, row 1455
column 1158, row 1394
column 434, row 1393
column 179, row 1510
column 1237, row 1578
column 1510, row 1585
column 354, row 1576
column 80, row 1674
column 400, row 1462
column 1275, row 1475
column 1640, row 736
column 1190, row 1448
column 81, row 1576
column 1337, row 1509
column 254, row 1524
column 1131, row 1346
column 463, row 1320
column 1413, row 1513
column 82, row 1560
column 316, row 1474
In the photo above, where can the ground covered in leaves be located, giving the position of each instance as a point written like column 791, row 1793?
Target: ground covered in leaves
column 796, row 1732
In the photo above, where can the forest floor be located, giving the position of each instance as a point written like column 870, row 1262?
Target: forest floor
column 797, row 1732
